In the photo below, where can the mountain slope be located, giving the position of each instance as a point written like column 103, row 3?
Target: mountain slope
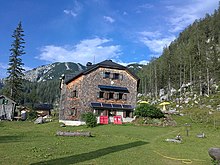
column 52, row 71
column 191, row 61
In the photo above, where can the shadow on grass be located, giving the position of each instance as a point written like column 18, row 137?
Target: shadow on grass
column 91, row 155
column 9, row 139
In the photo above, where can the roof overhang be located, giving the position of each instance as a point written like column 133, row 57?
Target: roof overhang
column 113, row 88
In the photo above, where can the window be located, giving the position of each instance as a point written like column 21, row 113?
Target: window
column 106, row 75
column 75, row 93
column 124, row 97
column 73, row 112
column 120, row 96
column 111, row 95
column 100, row 94
column 111, row 113
column 127, row 114
column 116, row 76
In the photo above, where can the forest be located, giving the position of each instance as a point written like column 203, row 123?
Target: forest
column 191, row 61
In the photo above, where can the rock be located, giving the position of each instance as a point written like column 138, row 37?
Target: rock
column 214, row 153
column 172, row 91
column 201, row 135
column 62, row 125
column 165, row 97
column 173, row 140
column 39, row 120
column 162, row 92
column 209, row 106
column 61, row 133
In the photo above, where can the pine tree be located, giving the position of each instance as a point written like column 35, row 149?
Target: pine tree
column 15, row 70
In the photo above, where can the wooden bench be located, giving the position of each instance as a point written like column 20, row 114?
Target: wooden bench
column 17, row 118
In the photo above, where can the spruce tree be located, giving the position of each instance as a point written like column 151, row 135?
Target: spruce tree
column 15, row 69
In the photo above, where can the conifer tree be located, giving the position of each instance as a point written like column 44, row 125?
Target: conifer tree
column 15, row 70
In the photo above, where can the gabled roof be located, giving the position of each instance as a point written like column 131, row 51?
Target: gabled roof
column 104, row 64
column 5, row 97
column 43, row 106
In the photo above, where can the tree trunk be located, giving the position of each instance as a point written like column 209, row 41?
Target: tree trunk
column 207, row 69
column 155, row 77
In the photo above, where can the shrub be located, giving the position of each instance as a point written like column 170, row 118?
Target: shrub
column 32, row 115
column 147, row 110
column 198, row 115
column 90, row 119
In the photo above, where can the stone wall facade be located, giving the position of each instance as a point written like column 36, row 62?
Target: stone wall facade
column 77, row 95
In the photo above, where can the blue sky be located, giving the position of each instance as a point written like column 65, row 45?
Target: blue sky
column 125, row 31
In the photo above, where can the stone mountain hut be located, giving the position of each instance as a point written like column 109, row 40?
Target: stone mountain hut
column 106, row 89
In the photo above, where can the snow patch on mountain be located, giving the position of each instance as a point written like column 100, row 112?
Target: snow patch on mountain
column 52, row 71
column 67, row 67
column 79, row 66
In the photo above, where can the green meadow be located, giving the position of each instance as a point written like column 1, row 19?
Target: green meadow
column 29, row 143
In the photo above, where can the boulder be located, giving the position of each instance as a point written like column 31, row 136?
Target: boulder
column 214, row 153
column 162, row 92
column 39, row 120
column 173, row 140
column 61, row 133
column 201, row 135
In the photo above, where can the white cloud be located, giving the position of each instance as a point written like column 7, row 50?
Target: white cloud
column 143, row 7
column 157, row 45
column 149, row 34
column 146, row 6
column 109, row 19
column 155, row 41
column 70, row 12
column 97, row 49
column 3, row 66
column 125, row 13
column 182, row 16
column 75, row 10
column 143, row 62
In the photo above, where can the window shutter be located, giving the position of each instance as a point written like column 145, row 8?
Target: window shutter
column 98, row 95
column 103, row 74
column 121, row 77
column 106, row 95
column 111, row 75
column 116, row 96
column 124, row 97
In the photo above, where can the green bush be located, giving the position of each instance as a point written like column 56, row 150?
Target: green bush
column 147, row 110
column 90, row 119
column 198, row 115
column 31, row 115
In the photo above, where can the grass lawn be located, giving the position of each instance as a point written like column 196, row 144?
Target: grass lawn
column 28, row 143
